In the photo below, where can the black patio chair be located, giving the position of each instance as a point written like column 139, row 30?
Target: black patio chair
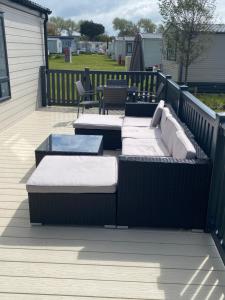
column 84, row 98
column 114, row 98
column 117, row 82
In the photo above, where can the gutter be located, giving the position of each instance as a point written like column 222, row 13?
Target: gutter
column 46, row 40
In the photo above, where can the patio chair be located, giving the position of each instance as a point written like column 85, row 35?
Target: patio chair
column 114, row 98
column 117, row 82
column 84, row 98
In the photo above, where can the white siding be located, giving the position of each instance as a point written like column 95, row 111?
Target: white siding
column 120, row 49
column 152, row 49
column 170, row 68
column 25, row 46
column 210, row 67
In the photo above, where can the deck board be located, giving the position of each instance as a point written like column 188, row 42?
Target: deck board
column 53, row 262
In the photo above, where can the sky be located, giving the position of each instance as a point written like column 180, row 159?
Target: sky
column 104, row 11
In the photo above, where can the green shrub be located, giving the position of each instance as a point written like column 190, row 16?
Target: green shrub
column 214, row 101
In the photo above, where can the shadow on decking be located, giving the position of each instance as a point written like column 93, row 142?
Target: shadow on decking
column 182, row 270
column 63, row 124
column 25, row 178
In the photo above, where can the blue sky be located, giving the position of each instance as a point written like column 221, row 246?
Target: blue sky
column 104, row 11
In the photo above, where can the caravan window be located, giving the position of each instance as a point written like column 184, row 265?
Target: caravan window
column 4, row 72
column 129, row 48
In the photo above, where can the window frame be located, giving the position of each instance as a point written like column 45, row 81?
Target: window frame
column 127, row 47
column 171, row 54
column 5, row 78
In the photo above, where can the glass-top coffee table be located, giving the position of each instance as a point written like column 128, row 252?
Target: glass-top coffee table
column 65, row 144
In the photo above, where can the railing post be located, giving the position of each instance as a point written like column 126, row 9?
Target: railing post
column 218, row 159
column 86, row 81
column 44, row 99
column 166, row 86
column 157, row 80
column 183, row 88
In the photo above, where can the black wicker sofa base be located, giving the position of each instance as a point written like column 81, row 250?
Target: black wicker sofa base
column 111, row 138
column 162, row 191
column 108, row 126
column 76, row 209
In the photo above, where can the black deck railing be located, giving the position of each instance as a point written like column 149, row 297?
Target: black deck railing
column 61, row 90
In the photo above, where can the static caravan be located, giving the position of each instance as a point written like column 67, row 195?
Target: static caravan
column 152, row 49
column 23, row 50
column 151, row 45
column 54, row 45
column 207, row 69
column 123, row 46
column 68, row 42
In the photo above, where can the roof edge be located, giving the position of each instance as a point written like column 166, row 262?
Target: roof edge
column 32, row 5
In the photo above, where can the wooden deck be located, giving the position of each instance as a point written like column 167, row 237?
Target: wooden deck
column 39, row 263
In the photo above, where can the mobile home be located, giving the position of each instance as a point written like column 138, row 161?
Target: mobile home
column 23, row 50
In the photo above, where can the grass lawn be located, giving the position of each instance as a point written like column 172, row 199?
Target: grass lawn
column 91, row 61
column 214, row 101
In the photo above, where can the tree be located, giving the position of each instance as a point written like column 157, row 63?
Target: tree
column 188, row 23
column 59, row 24
column 70, row 26
column 91, row 29
column 160, row 28
column 52, row 30
column 146, row 25
column 103, row 38
column 124, row 27
column 63, row 24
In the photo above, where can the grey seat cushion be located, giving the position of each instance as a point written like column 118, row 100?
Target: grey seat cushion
column 144, row 147
column 183, row 148
column 141, row 133
column 136, row 122
column 95, row 121
column 74, row 174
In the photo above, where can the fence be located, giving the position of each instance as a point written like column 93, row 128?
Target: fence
column 208, row 129
column 61, row 90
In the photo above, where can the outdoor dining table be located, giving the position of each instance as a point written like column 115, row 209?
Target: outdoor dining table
column 132, row 91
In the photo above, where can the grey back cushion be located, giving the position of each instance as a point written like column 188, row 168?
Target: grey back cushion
column 157, row 114
column 165, row 114
column 182, row 147
column 169, row 132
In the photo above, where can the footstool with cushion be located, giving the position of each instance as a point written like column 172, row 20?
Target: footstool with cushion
column 74, row 190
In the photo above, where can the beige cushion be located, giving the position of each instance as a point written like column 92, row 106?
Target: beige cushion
column 74, row 174
column 169, row 132
column 183, row 148
column 165, row 114
column 144, row 147
column 141, row 133
column 136, row 122
column 95, row 121
column 157, row 114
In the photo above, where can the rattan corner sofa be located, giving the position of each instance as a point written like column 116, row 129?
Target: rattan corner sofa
column 162, row 176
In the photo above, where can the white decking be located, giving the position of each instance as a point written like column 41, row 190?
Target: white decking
column 40, row 263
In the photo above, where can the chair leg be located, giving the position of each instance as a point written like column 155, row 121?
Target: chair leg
column 83, row 109
column 78, row 110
